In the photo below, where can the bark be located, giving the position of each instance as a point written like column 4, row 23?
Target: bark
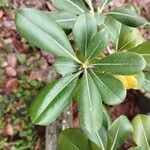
column 53, row 130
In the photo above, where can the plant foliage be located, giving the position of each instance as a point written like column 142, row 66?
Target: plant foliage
column 83, row 65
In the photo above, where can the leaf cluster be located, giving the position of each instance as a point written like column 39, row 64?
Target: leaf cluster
column 87, row 71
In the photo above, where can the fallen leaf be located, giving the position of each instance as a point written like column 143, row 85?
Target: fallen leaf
column 12, row 85
column 12, row 61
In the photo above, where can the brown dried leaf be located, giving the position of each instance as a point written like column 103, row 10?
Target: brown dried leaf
column 10, row 71
column 12, row 61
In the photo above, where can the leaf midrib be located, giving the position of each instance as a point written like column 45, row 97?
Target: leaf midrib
column 106, row 86
column 71, row 142
column 47, row 35
column 66, row 65
column 76, row 6
column 94, row 50
column 116, row 64
column 121, row 48
column 122, row 14
column 89, row 95
column 56, row 94
column 113, row 144
column 64, row 20
column 144, row 134
column 85, row 48
column 147, row 80
column 100, row 141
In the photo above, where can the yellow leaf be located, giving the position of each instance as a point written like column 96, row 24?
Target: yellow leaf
column 129, row 82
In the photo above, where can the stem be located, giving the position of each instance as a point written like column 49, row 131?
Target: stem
column 102, row 8
column 91, row 8
column 98, row 10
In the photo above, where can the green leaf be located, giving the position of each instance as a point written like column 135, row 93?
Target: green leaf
column 84, row 29
column 127, row 16
column 129, row 38
column 64, row 65
column 146, row 85
column 104, row 2
column 107, row 120
column 72, row 6
column 110, row 94
column 97, row 44
column 42, row 31
column 72, row 139
column 119, row 132
column 99, row 19
column 144, row 50
column 99, row 138
column 122, row 63
column 64, row 19
column 141, row 132
column 140, row 77
column 114, row 28
column 136, row 148
column 52, row 100
column 90, row 104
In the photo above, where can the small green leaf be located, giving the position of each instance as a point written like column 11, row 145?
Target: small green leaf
column 129, row 38
column 140, row 77
column 84, row 29
column 99, row 19
column 72, row 139
column 104, row 2
column 64, row 19
column 97, row 44
column 114, row 28
column 146, row 85
column 73, row 6
column 127, row 16
column 90, row 104
column 64, row 65
column 144, row 50
column 52, row 100
column 119, row 132
column 99, row 138
column 42, row 31
column 107, row 120
column 122, row 63
column 141, row 132
column 110, row 94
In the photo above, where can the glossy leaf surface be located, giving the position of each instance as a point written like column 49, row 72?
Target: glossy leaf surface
column 72, row 6
column 141, row 132
column 114, row 28
column 52, row 100
column 129, row 38
column 144, row 50
column 110, row 94
column 127, row 16
column 146, row 85
column 99, row 138
column 122, row 63
column 64, row 19
column 84, row 29
column 42, row 31
column 90, row 104
column 119, row 131
column 104, row 2
column 140, row 77
column 72, row 139
column 64, row 65
column 97, row 44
